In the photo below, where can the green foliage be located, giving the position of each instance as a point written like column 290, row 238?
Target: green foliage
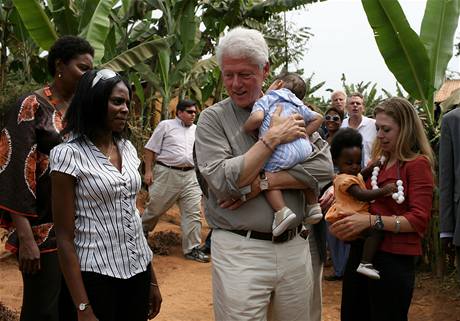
column 400, row 46
column 40, row 28
column 437, row 31
column 15, row 87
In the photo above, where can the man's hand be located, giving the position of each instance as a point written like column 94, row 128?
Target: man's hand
column 447, row 244
column 231, row 204
column 286, row 129
column 148, row 178
column 326, row 200
column 350, row 227
column 29, row 257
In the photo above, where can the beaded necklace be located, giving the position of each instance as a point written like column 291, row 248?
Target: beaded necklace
column 397, row 196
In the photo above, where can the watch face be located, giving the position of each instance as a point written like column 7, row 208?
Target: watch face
column 264, row 184
column 378, row 223
column 82, row 306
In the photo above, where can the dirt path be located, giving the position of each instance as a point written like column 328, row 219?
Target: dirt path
column 186, row 288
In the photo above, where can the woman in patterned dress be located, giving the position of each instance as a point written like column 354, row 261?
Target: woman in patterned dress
column 32, row 129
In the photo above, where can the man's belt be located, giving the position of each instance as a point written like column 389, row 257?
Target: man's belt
column 284, row 237
column 184, row 169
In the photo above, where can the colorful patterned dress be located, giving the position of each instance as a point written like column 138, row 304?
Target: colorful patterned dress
column 32, row 130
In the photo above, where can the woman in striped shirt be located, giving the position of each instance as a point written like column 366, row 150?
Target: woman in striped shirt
column 104, row 255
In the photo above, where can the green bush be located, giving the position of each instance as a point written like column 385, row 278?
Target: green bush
column 13, row 89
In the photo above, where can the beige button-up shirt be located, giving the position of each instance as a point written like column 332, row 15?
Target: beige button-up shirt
column 172, row 142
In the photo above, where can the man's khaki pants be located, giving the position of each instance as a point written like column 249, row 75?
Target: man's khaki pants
column 171, row 186
column 251, row 277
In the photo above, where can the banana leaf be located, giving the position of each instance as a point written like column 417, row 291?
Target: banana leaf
column 136, row 55
column 437, row 34
column 98, row 29
column 401, row 48
column 37, row 23
column 65, row 21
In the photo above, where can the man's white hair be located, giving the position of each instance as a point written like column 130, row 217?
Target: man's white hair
column 243, row 43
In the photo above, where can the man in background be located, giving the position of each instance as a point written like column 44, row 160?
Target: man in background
column 173, row 178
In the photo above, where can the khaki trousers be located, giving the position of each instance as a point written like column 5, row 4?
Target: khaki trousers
column 174, row 186
column 251, row 277
column 317, row 265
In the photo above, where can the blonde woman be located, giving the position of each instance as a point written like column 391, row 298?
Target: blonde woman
column 404, row 217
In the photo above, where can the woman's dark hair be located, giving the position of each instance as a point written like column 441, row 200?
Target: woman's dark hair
column 345, row 138
column 183, row 104
column 67, row 48
column 336, row 110
column 87, row 112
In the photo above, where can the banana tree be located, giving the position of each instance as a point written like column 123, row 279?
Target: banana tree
column 417, row 62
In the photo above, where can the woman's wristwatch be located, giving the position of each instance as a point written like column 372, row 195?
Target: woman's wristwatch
column 83, row 306
column 378, row 224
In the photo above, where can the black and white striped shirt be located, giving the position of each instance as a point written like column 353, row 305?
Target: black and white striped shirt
column 108, row 229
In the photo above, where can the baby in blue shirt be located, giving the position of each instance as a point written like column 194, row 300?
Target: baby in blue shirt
column 287, row 91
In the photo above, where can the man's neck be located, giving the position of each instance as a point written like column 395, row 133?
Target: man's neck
column 182, row 122
column 354, row 121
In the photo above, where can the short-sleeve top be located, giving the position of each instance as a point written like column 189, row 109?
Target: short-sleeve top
column 108, row 228
column 32, row 130
column 344, row 202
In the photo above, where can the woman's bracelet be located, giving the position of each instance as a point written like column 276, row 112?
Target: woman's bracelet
column 266, row 144
column 397, row 224
column 154, row 284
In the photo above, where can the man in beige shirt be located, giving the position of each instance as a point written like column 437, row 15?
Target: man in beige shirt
column 251, row 269
column 173, row 178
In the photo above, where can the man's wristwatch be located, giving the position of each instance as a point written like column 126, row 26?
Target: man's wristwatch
column 378, row 224
column 83, row 306
column 263, row 181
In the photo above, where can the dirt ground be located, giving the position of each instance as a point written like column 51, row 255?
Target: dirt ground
column 186, row 287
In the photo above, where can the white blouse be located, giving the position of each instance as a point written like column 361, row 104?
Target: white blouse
column 108, row 230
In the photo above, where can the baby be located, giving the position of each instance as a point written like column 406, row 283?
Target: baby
column 287, row 91
column 351, row 194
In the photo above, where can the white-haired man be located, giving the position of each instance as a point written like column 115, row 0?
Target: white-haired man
column 251, row 269
column 339, row 100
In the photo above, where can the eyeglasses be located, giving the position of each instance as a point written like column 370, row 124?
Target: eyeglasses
column 190, row 111
column 333, row 118
column 103, row 74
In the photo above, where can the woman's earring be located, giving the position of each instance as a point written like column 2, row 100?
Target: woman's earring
column 59, row 75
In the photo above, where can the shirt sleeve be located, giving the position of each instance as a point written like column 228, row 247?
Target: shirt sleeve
column 344, row 182
column 19, row 158
column 419, row 193
column 262, row 104
column 446, row 179
column 307, row 113
column 62, row 160
column 216, row 162
column 156, row 140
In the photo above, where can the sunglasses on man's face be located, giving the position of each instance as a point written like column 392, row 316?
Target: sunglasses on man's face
column 103, row 74
column 190, row 111
column 333, row 118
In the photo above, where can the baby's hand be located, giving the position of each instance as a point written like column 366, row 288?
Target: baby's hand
column 390, row 189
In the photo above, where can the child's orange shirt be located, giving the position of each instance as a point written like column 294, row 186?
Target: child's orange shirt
column 344, row 202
